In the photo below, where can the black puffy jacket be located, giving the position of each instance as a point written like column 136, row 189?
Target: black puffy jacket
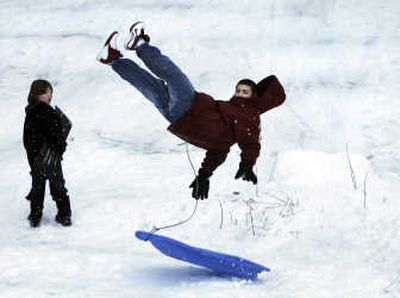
column 42, row 125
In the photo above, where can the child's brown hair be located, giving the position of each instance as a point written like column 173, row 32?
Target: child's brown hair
column 38, row 87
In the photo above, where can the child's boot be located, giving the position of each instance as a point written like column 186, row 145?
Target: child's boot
column 136, row 36
column 63, row 216
column 109, row 51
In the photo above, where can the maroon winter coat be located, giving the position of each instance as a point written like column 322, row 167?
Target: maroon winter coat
column 216, row 125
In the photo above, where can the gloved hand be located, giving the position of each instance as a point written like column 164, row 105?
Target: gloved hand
column 201, row 185
column 246, row 172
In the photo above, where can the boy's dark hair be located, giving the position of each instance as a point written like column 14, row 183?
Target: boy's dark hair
column 38, row 87
column 249, row 83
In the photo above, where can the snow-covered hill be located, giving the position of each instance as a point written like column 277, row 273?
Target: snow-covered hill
column 322, row 232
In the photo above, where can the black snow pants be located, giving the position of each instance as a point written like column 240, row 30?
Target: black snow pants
column 57, row 190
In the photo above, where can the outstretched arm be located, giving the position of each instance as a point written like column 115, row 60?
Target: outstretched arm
column 213, row 159
column 248, row 140
column 248, row 137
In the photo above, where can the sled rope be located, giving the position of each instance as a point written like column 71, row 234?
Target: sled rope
column 156, row 229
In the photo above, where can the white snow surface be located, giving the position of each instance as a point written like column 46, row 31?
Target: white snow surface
column 322, row 232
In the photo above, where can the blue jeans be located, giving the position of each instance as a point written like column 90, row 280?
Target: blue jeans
column 171, row 91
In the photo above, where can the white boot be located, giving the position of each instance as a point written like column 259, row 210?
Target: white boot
column 136, row 36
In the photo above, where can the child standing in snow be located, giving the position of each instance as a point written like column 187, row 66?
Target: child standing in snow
column 45, row 133
column 196, row 117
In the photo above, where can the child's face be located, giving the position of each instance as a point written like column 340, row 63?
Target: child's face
column 243, row 91
column 46, row 97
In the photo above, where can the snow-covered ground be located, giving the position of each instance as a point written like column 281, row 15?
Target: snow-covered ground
column 322, row 232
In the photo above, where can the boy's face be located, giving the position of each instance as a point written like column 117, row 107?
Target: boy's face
column 243, row 91
column 46, row 97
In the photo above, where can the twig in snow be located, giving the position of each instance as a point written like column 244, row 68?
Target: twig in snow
column 248, row 203
column 222, row 215
column 288, row 208
column 234, row 221
column 252, row 222
column 265, row 221
column 353, row 177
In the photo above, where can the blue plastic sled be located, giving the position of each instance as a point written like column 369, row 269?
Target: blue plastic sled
column 215, row 261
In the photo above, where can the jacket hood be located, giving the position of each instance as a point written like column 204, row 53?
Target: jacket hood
column 271, row 93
